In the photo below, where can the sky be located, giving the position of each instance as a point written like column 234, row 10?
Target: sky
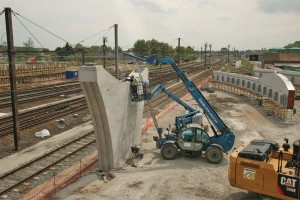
column 242, row 24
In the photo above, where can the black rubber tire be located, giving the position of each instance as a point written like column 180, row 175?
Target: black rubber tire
column 214, row 154
column 169, row 151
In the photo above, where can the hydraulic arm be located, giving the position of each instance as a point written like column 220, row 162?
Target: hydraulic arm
column 199, row 98
column 160, row 88
column 180, row 121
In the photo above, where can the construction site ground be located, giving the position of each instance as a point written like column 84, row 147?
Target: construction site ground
column 186, row 177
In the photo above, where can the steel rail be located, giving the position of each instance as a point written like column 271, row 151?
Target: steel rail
column 11, row 173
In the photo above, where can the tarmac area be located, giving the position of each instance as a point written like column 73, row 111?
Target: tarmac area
column 186, row 177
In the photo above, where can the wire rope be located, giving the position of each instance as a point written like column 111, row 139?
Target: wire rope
column 28, row 30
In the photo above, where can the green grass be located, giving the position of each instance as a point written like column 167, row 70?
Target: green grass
column 245, row 69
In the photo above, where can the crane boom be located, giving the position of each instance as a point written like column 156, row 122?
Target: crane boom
column 160, row 88
column 197, row 95
column 223, row 136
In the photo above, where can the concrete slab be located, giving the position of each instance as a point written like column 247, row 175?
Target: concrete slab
column 116, row 119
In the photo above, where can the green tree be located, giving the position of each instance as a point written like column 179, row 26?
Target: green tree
column 141, row 48
column 190, row 54
column 154, row 46
column 94, row 49
column 166, row 50
column 28, row 44
column 293, row 45
column 65, row 51
column 78, row 47
column 181, row 53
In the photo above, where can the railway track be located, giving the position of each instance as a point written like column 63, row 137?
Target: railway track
column 43, row 114
column 15, row 183
column 37, row 94
column 46, row 113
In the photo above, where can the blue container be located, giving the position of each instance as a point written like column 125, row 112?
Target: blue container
column 71, row 74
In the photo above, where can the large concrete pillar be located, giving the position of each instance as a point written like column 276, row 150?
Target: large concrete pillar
column 116, row 119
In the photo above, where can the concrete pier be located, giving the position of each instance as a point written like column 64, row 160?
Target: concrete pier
column 116, row 119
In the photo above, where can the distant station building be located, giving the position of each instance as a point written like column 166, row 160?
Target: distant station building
column 224, row 51
column 283, row 58
column 256, row 55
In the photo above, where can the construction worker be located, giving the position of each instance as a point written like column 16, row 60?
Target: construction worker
column 134, row 85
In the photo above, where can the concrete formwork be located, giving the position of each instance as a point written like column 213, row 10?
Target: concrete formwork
column 275, row 91
column 116, row 119
column 293, row 76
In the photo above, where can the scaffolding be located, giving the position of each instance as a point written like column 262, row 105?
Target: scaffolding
column 33, row 73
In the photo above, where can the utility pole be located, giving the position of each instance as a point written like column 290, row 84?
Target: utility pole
column 104, row 48
column 233, row 52
column 116, row 51
column 209, row 55
column 12, row 76
column 178, row 57
column 178, row 52
column 228, row 53
column 83, row 58
column 201, row 54
column 205, row 46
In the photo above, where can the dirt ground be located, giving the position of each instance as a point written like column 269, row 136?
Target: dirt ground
column 186, row 177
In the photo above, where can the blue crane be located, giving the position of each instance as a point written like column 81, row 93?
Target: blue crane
column 223, row 138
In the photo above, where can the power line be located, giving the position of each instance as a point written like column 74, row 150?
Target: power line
column 28, row 30
column 103, row 35
column 43, row 28
column 97, row 34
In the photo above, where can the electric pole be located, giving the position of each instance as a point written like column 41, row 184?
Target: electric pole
column 12, row 76
column 178, row 56
column 209, row 55
column 178, row 52
column 228, row 53
column 201, row 54
column 233, row 52
column 205, row 46
column 104, row 48
column 116, row 51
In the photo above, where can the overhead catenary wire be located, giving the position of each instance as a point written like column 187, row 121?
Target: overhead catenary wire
column 15, row 13
column 107, row 29
column 28, row 30
column 43, row 28
column 103, row 35
column 57, row 36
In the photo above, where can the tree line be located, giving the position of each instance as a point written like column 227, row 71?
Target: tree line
column 142, row 48
column 145, row 48
column 293, row 45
